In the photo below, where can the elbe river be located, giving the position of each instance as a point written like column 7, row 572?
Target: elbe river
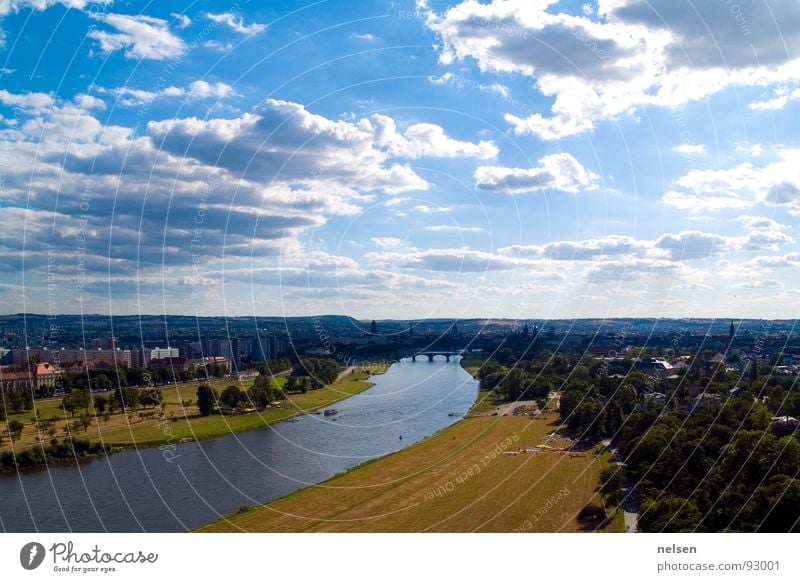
column 140, row 491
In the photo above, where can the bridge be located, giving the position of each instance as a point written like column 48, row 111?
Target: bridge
column 431, row 355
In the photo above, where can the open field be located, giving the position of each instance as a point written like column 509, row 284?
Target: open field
column 462, row 479
column 149, row 426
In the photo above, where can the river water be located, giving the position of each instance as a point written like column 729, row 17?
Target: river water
column 137, row 490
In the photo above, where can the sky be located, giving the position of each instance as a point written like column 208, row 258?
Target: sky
column 401, row 159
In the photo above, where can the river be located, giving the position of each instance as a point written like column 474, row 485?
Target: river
column 138, row 491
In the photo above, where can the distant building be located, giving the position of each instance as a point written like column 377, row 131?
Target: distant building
column 651, row 399
column 705, row 400
column 105, row 343
column 177, row 364
column 654, row 367
column 161, row 354
column 267, row 347
column 86, row 358
column 30, row 377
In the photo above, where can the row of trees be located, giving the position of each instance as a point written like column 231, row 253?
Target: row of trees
column 534, row 378
column 716, row 470
column 259, row 395
column 320, row 370
column 722, row 468
column 104, row 379
column 15, row 400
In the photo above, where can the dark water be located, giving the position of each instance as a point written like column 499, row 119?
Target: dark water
column 137, row 491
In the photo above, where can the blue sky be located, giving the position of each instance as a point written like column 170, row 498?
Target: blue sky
column 523, row 159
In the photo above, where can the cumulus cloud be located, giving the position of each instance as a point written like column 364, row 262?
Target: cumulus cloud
column 762, row 284
column 182, row 20
column 453, row 228
column 638, row 53
column 465, row 83
column 200, row 89
column 687, row 148
column 426, row 139
column 9, row 6
column 741, row 186
column 236, row 23
column 686, row 245
column 283, row 141
column 561, row 172
column 33, row 101
column 608, row 246
column 140, row 36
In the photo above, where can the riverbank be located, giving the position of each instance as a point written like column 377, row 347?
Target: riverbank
column 174, row 419
column 488, row 474
column 469, row 477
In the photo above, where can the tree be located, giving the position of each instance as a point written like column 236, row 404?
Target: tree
column 262, row 392
column 232, row 396
column 753, row 370
column 100, row 404
column 102, row 382
column 76, row 400
column 15, row 429
column 206, row 399
column 611, row 484
column 86, row 422
column 127, row 398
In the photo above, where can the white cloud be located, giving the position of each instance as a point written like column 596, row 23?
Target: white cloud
column 182, row 20
column 656, row 272
column 741, row 186
column 779, row 101
column 203, row 90
column 560, row 172
column 691, row 148
column 131, row 97
column 640, row 53
column 215, row 45
column 34, row 101
column 686, row 245
column 282, row 142
column 388, row 242
column 425, row 209
column 453, row 228
column 237, row 23
column 426, row 139
column 365, row 36
column 142, row 37
column 9, row 6
column 762, row 284
column 692, row 244
column 88, row 102
column 463, row 82
column 584, row 250
column 464, row 260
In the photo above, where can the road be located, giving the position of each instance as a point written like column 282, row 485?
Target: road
column 631, row 511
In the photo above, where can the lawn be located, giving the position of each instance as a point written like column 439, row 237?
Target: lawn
column 459, row 480
column 143, row 427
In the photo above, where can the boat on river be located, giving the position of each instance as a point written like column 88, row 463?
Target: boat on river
column 331, row 411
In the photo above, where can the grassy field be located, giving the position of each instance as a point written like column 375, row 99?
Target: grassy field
column 460, row 480
column 144, row 427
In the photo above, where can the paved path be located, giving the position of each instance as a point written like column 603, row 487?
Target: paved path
column 630, row 511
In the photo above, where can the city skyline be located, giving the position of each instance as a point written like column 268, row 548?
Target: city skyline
column 400, row 160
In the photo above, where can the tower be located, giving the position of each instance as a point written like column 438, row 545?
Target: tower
column 373, row 328
column 732, row 332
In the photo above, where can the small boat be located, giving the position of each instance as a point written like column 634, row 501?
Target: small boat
column 454, row 414
column 331, row 412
